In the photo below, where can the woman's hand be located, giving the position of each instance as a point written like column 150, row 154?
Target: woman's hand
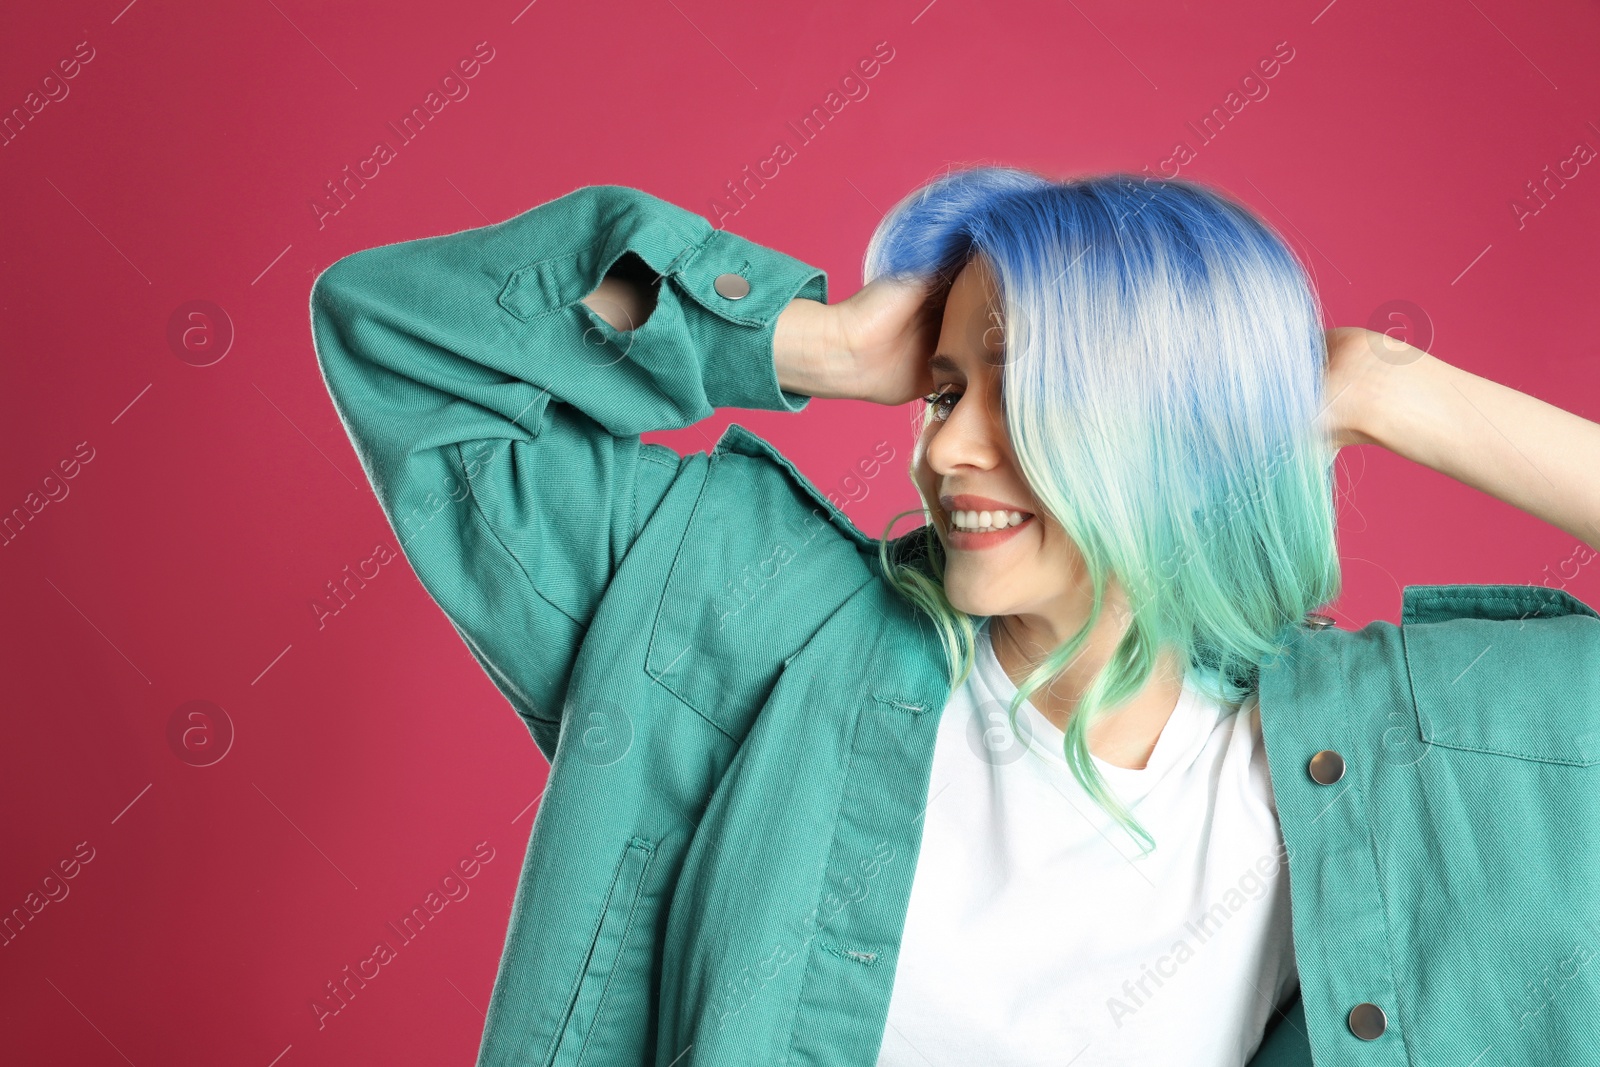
column 891, row 331
column 1354, row 379
column 872, row 346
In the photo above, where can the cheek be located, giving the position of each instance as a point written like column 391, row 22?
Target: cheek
column 1058, row 564
column 921, row 472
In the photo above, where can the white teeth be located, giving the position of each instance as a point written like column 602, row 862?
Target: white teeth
column 979, row 521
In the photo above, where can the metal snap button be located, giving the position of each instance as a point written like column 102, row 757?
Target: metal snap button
column 1326, row 767
column 1367, row 1021
column 732, row 286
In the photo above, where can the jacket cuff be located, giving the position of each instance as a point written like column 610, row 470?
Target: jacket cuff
column 735, row 335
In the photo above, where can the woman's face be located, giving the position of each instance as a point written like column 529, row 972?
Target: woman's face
column 965, row 467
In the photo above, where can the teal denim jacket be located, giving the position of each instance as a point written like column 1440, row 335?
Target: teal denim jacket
column 740, row 713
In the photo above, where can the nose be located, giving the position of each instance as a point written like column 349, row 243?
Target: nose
column 972, row 436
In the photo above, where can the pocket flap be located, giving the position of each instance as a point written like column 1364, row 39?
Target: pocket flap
column 1528, row 688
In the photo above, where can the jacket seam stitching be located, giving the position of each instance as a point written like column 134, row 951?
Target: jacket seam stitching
column 1461, row 746
column 572, row 993
column 656, row 458
column 645, row 453
column 1455, row 598
column 649, row 849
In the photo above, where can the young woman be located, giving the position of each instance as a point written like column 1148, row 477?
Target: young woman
column 1017, row 787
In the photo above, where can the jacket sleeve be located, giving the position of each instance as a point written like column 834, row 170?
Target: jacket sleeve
column 498, row 418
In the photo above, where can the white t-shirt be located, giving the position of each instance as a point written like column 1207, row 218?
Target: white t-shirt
column 1035, row 934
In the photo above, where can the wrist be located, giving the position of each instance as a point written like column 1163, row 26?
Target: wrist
column 1368, row 385
column 1396, row 399
column 1364, row 418
column 809, row 351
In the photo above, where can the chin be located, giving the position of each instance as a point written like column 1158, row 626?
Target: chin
column 974, row 602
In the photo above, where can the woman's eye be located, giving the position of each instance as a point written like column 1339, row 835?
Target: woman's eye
column 941, row 403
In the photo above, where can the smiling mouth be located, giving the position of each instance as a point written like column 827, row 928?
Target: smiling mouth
column 963, row 539
column 977, row 522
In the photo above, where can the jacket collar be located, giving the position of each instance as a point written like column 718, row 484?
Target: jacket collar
column 1423, row 604
column 738, row 439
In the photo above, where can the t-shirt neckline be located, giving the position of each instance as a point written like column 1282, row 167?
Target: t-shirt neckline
column 1046, row 740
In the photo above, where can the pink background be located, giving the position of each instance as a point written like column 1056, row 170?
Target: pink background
column 370, row 754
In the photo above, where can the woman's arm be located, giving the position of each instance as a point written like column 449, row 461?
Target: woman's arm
column 498, row 418
column 1528, row 453
column 873, row 346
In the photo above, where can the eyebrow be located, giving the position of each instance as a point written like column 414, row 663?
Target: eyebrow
column 940, row 361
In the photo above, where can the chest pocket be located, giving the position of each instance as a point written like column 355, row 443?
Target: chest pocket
column 765, row 560
column 1528, row 688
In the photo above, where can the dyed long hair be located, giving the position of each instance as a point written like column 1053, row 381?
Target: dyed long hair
column 1162, row 377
